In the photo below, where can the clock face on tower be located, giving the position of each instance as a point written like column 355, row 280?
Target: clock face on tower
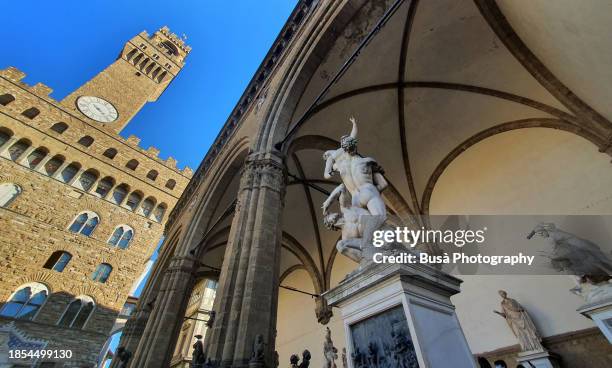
column 97, row 109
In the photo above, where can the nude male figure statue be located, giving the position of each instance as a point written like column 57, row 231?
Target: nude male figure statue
column 362, row 176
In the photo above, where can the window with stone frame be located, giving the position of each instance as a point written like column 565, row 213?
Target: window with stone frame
column 85, row 223
column 36, row 157
column 25, row 302
column 133, row 200
column 87, row 180
column 31, row 113
column 78, row 312
column 120, row 193
column 17, row 149
column 69, row 172
column 6, row 99
column 132, row 164
column 86, row 141
column 53, row 164
column 102, row 273
column 59, row 128
column 152, row 175
column 110, row 153
column 58, row 261
column 170, row 184
column 147, row 207
column 4, row 137
column 104, row 186
column 158, row 214
column 8, row 193
column 122, row 236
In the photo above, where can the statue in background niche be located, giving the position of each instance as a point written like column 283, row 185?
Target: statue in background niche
column 358, row 195
column 520, row 323
column 582, row 258
column 198, row 357
column 329, row 351
column 259, row 348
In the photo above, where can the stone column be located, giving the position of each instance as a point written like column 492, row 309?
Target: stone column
column 247, row 295
column 158, row 339
column 43, row 162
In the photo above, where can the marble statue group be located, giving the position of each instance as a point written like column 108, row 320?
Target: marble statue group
column 359, row 195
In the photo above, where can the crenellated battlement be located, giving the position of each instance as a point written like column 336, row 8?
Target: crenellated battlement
column 15, row 75
column 176, row 40
column 41, row 90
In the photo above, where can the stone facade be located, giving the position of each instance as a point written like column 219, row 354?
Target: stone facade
column 98, row 171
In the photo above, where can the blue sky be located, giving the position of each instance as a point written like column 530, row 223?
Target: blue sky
column 65, row 43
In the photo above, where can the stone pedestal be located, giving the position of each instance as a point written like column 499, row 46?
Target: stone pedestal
column 538, row 359
column 601, row 313
column 401, row 315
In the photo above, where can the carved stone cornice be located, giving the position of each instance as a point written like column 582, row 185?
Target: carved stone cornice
column 249, row 98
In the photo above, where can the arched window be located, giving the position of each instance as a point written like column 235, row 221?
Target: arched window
column 159, row 212
column 162, row 76
column 137, row 59
column 122, row 236
column 133, row 200
column 132, row 164
column 170, row 48
column 104, row 186
column 17, row 149
column 147, row 206
column 152, row 175
column 31, row 113
column 144, row 63
column 26, row 301
column 6, row 99
column 87, row 179
column 500, row 364
column 78, row 312
column 110, row 153
column 120, row 193
column 131, row 54
column 58, row 261
column 69, row 172
column 53, row 164
column 86, row 141
column 170, row 184
column 59, row 127
column 156, row 71
column 8, row 193
column 5, row 135
column 35, row 157
column 102, row 272
column 85, row 223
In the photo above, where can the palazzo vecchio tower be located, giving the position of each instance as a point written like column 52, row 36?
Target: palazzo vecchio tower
column 81, row 208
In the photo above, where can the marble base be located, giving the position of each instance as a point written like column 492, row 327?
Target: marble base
column 538, row 359
column 400, row 315
column 601, row 313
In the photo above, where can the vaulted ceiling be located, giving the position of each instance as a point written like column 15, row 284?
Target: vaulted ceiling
column 436, row 78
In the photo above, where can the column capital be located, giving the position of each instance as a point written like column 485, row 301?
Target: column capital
column 264, row 169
